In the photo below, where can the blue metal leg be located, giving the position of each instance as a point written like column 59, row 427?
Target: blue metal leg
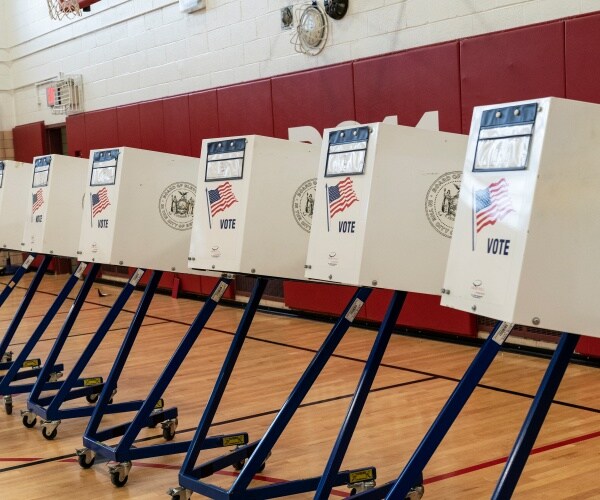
column 360, row 396
column 299, row 392
column 73, row 378
column 16, row 321
column 459, row 397
column 536, row 416
column 10, row 286
column 124, row 351
column 9, row 377
column 188, row 341
column 221, row 383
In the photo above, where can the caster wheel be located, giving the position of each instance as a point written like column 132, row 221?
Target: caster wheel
column 85, row 464
column 114, row 479
column 152, row 426
column 238, row 465
column 30, row 424
column 91, row 398
column 49, row 436
column 416, row 492
column 168, row 433
column 352, row 492
column 8, row 408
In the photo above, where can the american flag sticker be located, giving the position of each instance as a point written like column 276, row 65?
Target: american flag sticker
column 38, row 200
column 100, row 201
column 490, row 205
column 340, row 197
column 220, row 199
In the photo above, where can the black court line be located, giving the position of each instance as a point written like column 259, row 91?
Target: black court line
column 33, row 316
column 223, row 422
column 73, row 335
column 386, row 365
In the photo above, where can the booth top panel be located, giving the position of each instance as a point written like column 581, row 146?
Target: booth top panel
column 15, row 181
column 138, row 209
column 248, row 218
column 385, row 206
column 53, row 216
column 526, row 222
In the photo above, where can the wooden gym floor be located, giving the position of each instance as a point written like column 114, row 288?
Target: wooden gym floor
column 411, row 387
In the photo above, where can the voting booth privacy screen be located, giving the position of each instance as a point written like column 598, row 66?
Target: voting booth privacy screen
column 15, row 183
column 386, row 202
column 138, row 209
column 526, row 233
column 54, row 205
column 255, row 206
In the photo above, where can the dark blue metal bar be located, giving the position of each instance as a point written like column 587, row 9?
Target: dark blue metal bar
column 14, row 281
column 210, row 410
column 111, row 382
column 9, row 377
column 72, row 380
column 459, row 397
column 535, row 417
column 186, row 344
column 299, row 392
column 16, row 321
column 328, row 479
column 82, row 411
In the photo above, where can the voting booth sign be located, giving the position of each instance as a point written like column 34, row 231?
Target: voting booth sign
column 15, row 182
column 386, row 202
column 138, row 209
column 523, row 248
column 256, row 201
column 53, row 214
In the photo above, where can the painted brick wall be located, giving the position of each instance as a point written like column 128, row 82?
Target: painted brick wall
column 131, row 50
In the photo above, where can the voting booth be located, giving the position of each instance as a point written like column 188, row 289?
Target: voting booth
column 55, row 205
column 381, row 213
column 138, row 209
column 522, row 252
column 256, row 198
column 386, row 205
column 523, row 249
column 135, row 209
column 15, row 182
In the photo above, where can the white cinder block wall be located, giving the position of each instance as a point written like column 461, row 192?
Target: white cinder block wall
column 133, row 50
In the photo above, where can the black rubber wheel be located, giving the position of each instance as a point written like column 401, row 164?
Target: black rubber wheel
column 114, row 479
column 168, row 434
column 261, row 468
column 238, row 465
column 91, row 398
column 8, row 407
column 50, row 436
column 85, row 464
column 352, row 492
column 27, row 423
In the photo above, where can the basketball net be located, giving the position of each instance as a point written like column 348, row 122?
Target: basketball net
column 63, row 9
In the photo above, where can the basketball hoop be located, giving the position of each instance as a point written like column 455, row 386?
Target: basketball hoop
column 63, row 9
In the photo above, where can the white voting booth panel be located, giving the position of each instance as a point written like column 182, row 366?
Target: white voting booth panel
column 386, row 199
column 54, row 205
column 138, row 209
column 525, row 241
column 15, row 182
column 255, row 204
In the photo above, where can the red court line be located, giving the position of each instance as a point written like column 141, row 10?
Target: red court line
column 265, row 479
column 498, row 461
column 338, row 493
